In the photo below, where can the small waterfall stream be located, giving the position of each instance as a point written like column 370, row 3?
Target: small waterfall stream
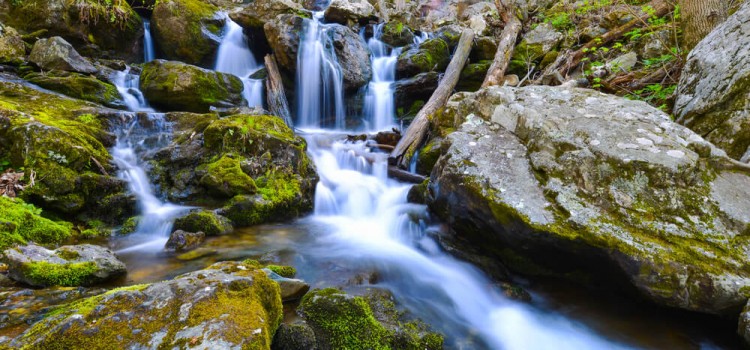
column 235, row 57
column 320, row 93
column 380, row 110
column 148, row 43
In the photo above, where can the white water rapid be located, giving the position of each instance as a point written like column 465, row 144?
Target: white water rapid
column 148, row 43
column 139, row 133
column 380, row 110
column 320, row 94
column 372, row 223
column 235, row 57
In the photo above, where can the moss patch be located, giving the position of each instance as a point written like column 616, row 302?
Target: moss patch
column 283, row 271
column 21, row 222
column 67, row 275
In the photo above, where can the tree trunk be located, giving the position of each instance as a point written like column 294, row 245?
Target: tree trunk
column 275, row 95
column 699, row 17
column 506, row 45
column 415, row 134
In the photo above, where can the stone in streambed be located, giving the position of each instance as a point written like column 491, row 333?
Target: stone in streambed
column 181, row 241
column 431, row 55
column 559, row 181
column 291, row 289
column 178, row 86
column 349, row 12
column 80, row 86
column 56, row 53
column 205, row 221
column 79, row 265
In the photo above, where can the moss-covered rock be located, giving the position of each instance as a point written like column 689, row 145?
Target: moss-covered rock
column 177, row 86
column 204, row 221
column 187, row 30
column 431, row 55
column 567, row 182
column 70, row 266
column 21, row 223
column 107, row 29
column 64, row 143
column 342, row 321
column 12, row 47
column 283, row 271
column 255, row 161
column 396, row 34
column 83, row 87
column 472, row 76
column 227, row 305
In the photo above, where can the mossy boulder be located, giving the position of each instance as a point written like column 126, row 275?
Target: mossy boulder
column 569, row 182
column 533, row 48
column 259, row 12
column 187, row 30
column 12, row 47
column 431, row 55
column 253, row 166
column 64, row 143
column 106, row 29
column 83, row 87
column 22, row 222
column 712, row 95
column 177, row 86
column 56, row 53
column 69, row 266
column 342, row 321
column 472, row 76
column 181, row 241
column 227, row 305
column 204, row 221
column 397, row 34
column 414, row 91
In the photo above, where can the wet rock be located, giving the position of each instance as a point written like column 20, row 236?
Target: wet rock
column 196, row 254
column 78, row 265
column 419, row 88
column 283, row 37
column 227, row 305
column 296, row 336
column 349, row 12
column 291, row 289
column 431, row 55
column 552, row 180
column 111, row 30
column 178, row 86
column 205, row 221
column 181, row 241
column 56, row 53
column 21, row 307
column 397, row 34
column 259, row 12
column 713, row 88
column 187, row 30
column 84, row 87
column 12, row 47
column 743, row 329
column 353, row 56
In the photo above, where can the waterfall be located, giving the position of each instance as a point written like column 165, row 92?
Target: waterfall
column 138, row 134
column 235, row 57
column 148, row 43
column 371, row 222
column 320, row 94
column 379, row 103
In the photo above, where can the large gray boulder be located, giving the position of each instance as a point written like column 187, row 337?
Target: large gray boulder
column 353, row 56
column 713, row 95
column 259, row 12
column 56, row 53
column 76, row 265
column 228, row 305
column 349, row 12
column 559, row 181
column 177, row 86
column 283, row 36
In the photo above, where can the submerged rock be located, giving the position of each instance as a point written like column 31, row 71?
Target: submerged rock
column 181, row 241
column 102, row 29
column 187, row 30
column 77, row 265
column 178, row 86
column 550, row 179
column 712, row 95
column 204, row 221
column 227, row 305
column 56, row 53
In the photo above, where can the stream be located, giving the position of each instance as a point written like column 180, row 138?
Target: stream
column 363, row 232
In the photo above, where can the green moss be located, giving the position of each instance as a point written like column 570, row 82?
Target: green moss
column 283, row 271
column 130, row 225
column 69, row 275
column 278, row 199
column 78, row 86
column 178, row 27
column 204, row 221
column 254, row 134
column 225, row 176
column 21, row 223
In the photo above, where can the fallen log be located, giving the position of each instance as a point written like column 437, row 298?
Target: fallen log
column 275, row 96
column 505, row 47
column 417, row 131
column 405, row 176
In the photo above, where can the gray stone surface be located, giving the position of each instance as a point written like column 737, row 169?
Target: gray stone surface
column 56, row 53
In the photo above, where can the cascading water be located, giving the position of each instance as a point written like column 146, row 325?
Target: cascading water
column 372, row 223
column 320, row 94
column 379, row 105
column 148, row 43
column 235, row 57
column 137, row 134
